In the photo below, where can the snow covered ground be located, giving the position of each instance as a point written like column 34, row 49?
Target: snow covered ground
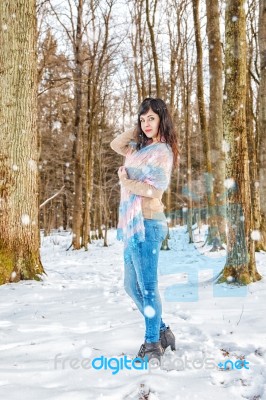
column 51, row 331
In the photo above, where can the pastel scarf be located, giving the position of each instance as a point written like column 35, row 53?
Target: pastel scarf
column 151, row 164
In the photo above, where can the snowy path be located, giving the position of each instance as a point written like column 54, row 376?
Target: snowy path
column 81, row 311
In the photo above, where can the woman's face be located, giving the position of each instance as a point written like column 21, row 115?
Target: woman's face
column 150, row 124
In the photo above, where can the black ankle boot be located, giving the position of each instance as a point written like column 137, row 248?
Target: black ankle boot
column 150, row 350
column 167, row 338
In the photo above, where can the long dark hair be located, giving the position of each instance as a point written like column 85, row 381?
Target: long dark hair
column 166, row 127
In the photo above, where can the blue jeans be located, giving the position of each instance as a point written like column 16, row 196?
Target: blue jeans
column 140, row 277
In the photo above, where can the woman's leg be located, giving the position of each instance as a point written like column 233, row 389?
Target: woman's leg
column 131, row 284
column 145, row 260
column 130, row 280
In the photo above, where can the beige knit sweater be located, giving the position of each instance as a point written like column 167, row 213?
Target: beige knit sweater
column 151, row 198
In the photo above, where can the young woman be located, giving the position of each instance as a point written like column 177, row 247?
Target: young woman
column 142, row 223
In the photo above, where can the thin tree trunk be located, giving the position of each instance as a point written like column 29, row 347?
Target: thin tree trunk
column 19, row 198
column 253, row 164
column 65, row 203
column 77, row 149
column 187, row 109
column 213, row 228
column 141, row 33
column 153, row 45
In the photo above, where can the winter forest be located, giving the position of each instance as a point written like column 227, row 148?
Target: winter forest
column 72, row 76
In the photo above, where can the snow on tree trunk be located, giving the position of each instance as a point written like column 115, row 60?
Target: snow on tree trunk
column 19, row 225
column 240, row 263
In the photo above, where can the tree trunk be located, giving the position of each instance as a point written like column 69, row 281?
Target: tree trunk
column 213, row 228
column 19, row 197
column 262, row 122
column 153, row 45
column 216, row 115
column 186, row 106
column 141, row 48
column 240, row 262
column 77, row 149
column 253, row 164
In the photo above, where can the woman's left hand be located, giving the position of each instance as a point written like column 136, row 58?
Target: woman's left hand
column 122, row 173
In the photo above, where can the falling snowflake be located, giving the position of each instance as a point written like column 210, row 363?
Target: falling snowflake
column 25, row 219
column 56, row 125
column 229, row 183
column 13, row 275
column 15, row 167
column 32, row 165
column 230, row 279
column 225, row 146
column 255, row 235
column 149, row 311
column 234, row 18
column 86, row 352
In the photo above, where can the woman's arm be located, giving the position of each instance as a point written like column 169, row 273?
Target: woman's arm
column 121, row 143
column 141, row 188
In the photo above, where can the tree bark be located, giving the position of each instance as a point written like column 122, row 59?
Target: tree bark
column 262, row 122
column 213, row 228
column 252, row 156
column 240, row 262
column 153, row 45
column 19, row 197
column 216, row 115
column 77, row 149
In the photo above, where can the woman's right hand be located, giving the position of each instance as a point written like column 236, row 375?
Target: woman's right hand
column 122, row 173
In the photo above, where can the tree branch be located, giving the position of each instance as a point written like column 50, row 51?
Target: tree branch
column 51, row 198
